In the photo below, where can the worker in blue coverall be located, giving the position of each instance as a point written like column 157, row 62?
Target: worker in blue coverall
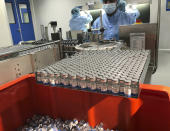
column 113, row 17
column 79, row 20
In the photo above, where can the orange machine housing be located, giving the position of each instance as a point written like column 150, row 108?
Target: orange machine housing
column 22, row 98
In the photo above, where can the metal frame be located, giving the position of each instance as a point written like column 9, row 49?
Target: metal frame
column 14, row 68
column 16, row 65
column 151, row 34
column 158, row 31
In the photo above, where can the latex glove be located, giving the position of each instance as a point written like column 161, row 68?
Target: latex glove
column 122, row 5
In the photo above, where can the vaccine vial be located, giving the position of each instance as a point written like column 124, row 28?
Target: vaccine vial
column 83, row 82
column 93, row 83
column 52, row 79
column 127, row 89
column 57, row 79
column 122, row 85
column 109, row 85
column 103, row 85
column 44, row 76
column 38, row 77
column 135, row 88
column 98, row 84
column 88, row 82
column 78, row 81
column 65, row 79
column 73, row 81
column 115, row 87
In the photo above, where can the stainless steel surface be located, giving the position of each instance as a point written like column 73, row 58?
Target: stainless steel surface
column 25, row 59
column 101, row 20
column 57, row 52
column 46, row 33
column 145, row 72
column 148, row 75
column 68, row 35
column 42, row 32
column 74, row 34
column 13, row 68
column 158, row 28
column 151, row 32
column 13, row 51
column 137, row 41
column 43, row 58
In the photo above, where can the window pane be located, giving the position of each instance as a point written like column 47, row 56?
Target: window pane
column 10, row 13
column 24, row 13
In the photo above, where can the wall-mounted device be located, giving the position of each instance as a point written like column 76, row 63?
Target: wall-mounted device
column 53, row 25
column 56, row 35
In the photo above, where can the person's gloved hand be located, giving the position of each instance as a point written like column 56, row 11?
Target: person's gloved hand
column 122, row 5
column 102, row 29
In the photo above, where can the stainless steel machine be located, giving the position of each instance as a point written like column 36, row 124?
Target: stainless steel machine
column 151, row 33
column 151, row 30
column 16, row 61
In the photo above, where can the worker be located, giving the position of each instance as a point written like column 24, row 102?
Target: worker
column 79, row 20
column 113, row 16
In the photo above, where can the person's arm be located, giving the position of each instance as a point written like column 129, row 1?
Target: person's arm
column 96, row 25
column 85, row 18
column 89, row 17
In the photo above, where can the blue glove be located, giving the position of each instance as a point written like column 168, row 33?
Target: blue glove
column 122, row 5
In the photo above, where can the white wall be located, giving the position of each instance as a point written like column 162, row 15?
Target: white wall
column 164, row 28
column 5, row 33
column 44, row 11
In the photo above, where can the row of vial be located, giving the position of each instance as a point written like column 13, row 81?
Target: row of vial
column 115, row 71
column 70, row 42
column 110, row 67
column 118, row 87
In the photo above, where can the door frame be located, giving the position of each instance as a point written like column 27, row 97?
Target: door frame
column 18, row 19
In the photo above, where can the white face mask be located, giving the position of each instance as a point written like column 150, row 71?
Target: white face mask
column 109, row 8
